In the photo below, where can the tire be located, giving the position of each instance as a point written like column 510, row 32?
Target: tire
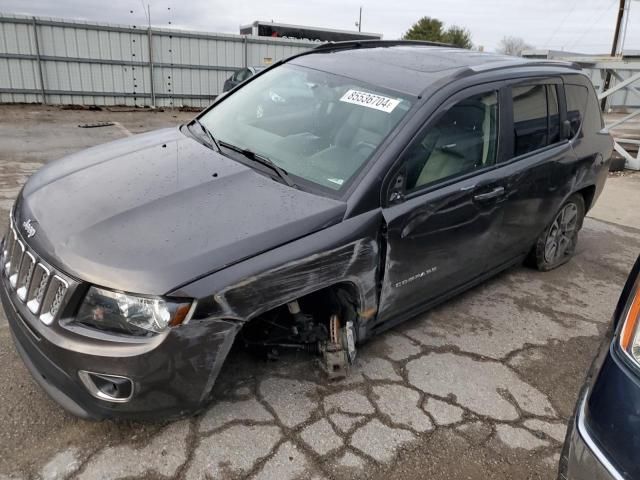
column 557, row 244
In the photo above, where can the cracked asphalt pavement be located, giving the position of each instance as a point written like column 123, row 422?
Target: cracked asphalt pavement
column 480, row 387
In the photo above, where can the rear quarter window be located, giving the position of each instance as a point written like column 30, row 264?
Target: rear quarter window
column 577, row 97
column 593, row 118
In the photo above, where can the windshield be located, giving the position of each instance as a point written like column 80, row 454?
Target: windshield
column 316, row 126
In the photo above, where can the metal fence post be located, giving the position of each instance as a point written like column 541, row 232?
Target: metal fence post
column 39, row 61
column 246, row 52
column 153, row 91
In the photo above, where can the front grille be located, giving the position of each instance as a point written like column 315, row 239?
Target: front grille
column 36, row 284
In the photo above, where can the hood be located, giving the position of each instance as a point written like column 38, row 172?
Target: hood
column 152, row 212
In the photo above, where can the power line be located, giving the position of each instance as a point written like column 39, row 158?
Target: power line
column 146, row 14
column 561, row 23
column 595, row 20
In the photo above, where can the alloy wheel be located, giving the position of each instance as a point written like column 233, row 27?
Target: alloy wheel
column 562, row 233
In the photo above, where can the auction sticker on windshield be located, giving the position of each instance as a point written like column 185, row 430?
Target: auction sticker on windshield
column 370, row 100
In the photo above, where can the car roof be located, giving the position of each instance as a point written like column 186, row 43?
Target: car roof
column 407, row 67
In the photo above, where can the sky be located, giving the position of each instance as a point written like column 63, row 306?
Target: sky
column 584, row 26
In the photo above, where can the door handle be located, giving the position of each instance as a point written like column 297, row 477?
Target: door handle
column 495, row 193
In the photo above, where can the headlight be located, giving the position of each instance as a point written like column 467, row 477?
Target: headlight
column 129, row 314
column 630, row 332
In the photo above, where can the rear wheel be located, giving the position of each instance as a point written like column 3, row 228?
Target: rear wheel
column 557, row 243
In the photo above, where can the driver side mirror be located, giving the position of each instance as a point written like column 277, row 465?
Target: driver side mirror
column 396, row 191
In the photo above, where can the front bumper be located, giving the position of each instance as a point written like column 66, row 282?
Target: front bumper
column 172, row 374
column 584, row 460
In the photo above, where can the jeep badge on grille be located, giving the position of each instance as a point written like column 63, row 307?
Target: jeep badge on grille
column 29, row 229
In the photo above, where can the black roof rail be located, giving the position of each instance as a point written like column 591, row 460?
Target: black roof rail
column 557, row 63
column 534, row 62
column 353, row 44
column 517, row 62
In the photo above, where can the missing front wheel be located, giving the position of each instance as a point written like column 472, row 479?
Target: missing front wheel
column 329, row 332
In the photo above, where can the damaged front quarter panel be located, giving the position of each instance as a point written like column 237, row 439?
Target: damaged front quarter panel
column 346, row 253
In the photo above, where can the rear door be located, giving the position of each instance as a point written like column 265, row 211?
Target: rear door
column 534, row 181
column 443, row 203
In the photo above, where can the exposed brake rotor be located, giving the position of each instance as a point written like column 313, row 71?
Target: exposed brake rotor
column 334, row 330
column 338, row 352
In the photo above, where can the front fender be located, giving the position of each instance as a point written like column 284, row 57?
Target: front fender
column 348, row 252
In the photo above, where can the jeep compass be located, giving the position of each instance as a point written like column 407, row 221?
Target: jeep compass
column 326, row 199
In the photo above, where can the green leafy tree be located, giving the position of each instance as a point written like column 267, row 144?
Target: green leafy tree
column 458, row 36
column 426, row 28
column 432, row 30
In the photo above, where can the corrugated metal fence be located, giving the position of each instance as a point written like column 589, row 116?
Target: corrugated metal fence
column 72, row 62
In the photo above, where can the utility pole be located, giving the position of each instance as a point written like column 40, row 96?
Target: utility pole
column 614, row 48
column 616, row 35
column 359, row 22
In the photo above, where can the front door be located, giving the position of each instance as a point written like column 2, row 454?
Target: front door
column 445, row 204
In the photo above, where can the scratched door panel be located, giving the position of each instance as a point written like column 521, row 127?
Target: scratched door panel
column 438, row 241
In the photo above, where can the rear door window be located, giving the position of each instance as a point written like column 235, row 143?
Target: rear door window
column 536, row 117
column 529, row 118
column 554, row 114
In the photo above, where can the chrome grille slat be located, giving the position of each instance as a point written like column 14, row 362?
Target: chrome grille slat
column 8, row 248
column 12, row 245
column 38, row 287
column 53, row 299
column 16, row 261
column 24, row 275
column 43, row 289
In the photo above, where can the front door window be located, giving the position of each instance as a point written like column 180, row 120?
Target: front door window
column 463, row 139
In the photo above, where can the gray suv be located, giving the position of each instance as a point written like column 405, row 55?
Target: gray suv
column 310, row 208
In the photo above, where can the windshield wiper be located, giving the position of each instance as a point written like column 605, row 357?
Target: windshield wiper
column 261, row 159
column 207, row 133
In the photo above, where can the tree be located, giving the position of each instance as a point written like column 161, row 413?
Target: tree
column 432, row 30
column 513, row 46
column 458, row 36
column 426, row 28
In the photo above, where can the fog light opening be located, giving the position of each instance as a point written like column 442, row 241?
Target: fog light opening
column 111, row 388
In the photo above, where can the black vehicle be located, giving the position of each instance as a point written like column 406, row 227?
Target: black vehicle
column 240, row 76
column 131, row 268
column 604, row 433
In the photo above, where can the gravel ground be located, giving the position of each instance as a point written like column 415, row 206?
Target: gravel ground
column 480, row 387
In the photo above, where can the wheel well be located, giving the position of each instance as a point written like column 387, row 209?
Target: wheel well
column 587, row 194
column 327, row 300
column 341, row 299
